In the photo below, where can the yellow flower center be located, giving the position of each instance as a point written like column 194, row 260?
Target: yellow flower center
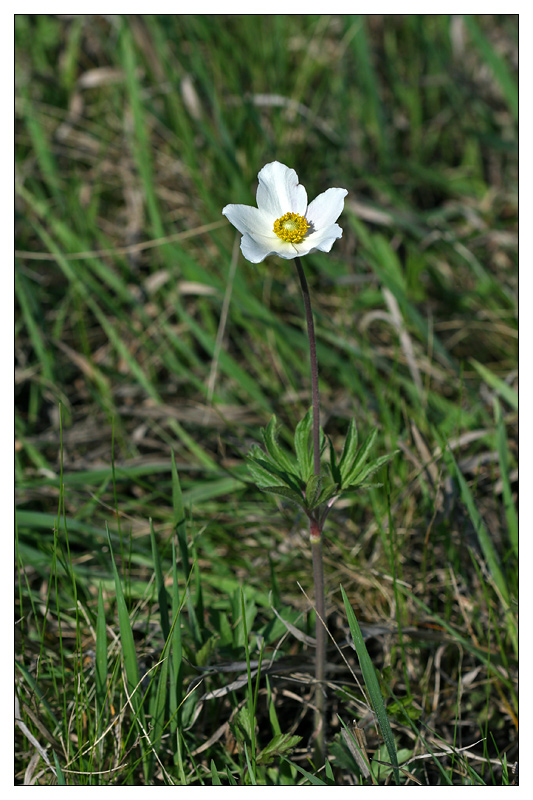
column 291, row 227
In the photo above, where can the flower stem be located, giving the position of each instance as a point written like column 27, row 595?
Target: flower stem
column 316, row 537
column 314, row 365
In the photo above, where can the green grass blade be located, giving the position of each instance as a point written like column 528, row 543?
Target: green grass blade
column 160, row 585
column 141, row 146
column 505, row 391
column 215, row 780
column 495, row 62
column 126, row 634
column 483, row 535
column 251, row 704
column 101, row 669
column 368, row 82
column 372, row 685
column 313, row 780
column 26, row 301
column 176, row 669
column 503, row 457
column 159, row 720
column 59, row 772
column 179, row 522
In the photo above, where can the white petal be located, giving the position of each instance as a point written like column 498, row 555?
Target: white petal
column 256, row 249
column 279, row 191
column 323, row 239
column 326, row 208
column 248, row 219
column 253, row 251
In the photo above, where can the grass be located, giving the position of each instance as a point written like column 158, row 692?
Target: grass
column 164, row 620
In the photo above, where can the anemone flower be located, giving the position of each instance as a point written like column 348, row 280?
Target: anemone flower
column 283, row 224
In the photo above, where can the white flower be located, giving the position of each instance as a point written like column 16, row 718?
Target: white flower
column 283, row 224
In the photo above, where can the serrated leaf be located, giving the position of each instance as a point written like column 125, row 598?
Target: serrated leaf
column 261, row 476
column 323, row 491
column 304, row 455
column 266, row 471
column 278, row 455
column 203, row 655
column 358, row 486
column 333, row 466
column 241, row 726
column 371, row 468
column 349, row 471
column 312, row 490
column 328, row 492
column 280, row 745
column 288, row 494
column 350, row 448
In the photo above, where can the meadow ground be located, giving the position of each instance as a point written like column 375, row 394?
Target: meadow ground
column 151, row 574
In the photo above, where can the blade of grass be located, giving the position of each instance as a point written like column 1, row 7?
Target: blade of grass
column 160, row 585
column 372, row 685
column 495, row 62
column 505, row 391
column 503, row 457
column 141, row 143
column 101, row 670
column 129, row 655
column 59, row 772
column 179, row 517
column 483, row 535
column 368, row 82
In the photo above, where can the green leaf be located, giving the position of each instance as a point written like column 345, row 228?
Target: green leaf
column 266, row 473
column 372, row 685
column 309, row 775
column 160, row 585
column 356, row 488
column 304, row 455
column 288, row 494
column 373, row 467
column 333, row 466
column 160, row 710
column 348, row 471
column 328, row 492
column 178, row 516
column 241, row 727
column 278, row 455
column 312, row 491
column 483, row 535
column 101, row 658
column 279, row 745
column 503, row 457
column 215, row 780
column 127, row 644
column 203, row 655
column 59, row 772
column 126, row 634
column 505, row 391
column 495, row 62
column 350, row 448
column 260, row 469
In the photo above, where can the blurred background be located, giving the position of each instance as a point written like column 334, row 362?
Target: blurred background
column 142, row 335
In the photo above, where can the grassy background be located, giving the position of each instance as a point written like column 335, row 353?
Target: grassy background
column 143, row 340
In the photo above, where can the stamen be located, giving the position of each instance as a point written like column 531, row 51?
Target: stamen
column 291, row 227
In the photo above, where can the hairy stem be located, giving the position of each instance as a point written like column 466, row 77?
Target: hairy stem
column 316, row 538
